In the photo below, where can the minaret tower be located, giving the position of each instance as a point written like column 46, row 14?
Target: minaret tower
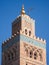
column 23, row 47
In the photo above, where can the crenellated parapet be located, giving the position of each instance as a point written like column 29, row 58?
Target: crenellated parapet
column 9, row 39
column 39, row 39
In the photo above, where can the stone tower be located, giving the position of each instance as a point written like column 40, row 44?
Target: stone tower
column 23, row 47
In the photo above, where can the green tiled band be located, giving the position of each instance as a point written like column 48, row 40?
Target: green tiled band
column 32, row 41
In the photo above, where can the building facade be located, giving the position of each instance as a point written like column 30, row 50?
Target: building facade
column 23, row 47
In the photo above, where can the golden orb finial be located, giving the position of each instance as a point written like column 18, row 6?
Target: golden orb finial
column 22, row 11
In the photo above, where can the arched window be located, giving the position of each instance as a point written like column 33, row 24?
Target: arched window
column 15, row 52
column 35, row 55
column 26, row 50
column 26, row 31
column 12, row 56
column 40, row 56
column 31, row 53
column 29, row 33
column 8, row 56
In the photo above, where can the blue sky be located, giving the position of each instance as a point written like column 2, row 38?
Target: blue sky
column 10, row 9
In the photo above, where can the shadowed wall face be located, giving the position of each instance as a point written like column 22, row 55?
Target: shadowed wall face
column 16, row 26
column 11, row 51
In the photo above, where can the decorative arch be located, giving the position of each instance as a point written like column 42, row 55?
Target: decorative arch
column 26, row 51
column 40, row 55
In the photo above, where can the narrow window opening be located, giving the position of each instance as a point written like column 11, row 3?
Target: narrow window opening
column 30, row 54
column 26, row 52
column 26, row 31
column 8, row 56
column 12, row 55
column 35, row 55
column 40, row 57
column 29, row 33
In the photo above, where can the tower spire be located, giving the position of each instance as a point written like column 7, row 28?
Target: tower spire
column 22, row 11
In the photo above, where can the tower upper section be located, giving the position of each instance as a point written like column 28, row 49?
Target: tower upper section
column 24, row 23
